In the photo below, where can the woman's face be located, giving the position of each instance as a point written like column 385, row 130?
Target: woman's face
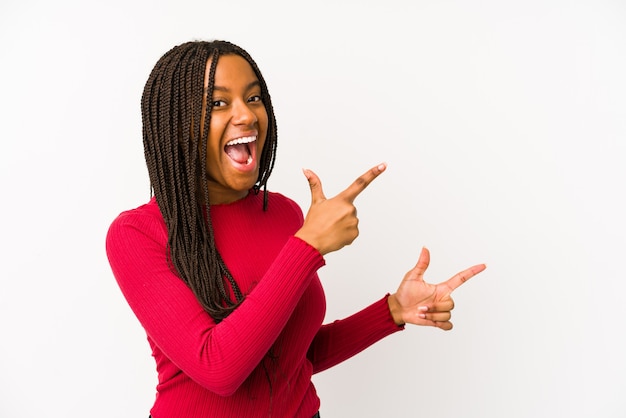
column 237, row 130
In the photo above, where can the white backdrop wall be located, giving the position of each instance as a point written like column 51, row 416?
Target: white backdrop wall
column 504, row 127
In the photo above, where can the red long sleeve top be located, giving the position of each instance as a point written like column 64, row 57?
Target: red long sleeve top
column 257, row 362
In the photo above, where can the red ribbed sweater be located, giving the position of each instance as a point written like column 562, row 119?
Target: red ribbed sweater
column 257, row 362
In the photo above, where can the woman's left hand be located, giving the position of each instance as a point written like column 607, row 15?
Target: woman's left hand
column 420, row 303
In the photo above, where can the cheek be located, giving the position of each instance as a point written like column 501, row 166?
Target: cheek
column 213, row 144
column 263, row 122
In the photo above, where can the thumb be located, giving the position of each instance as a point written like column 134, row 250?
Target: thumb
column 317, row 194
column 422, row 263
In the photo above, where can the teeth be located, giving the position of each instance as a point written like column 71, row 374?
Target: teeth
column 244, row 140
column 249, row 160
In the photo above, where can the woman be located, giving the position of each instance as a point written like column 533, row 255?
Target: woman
column 223, row 276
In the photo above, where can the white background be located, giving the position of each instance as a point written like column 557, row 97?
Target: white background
column 504, row 127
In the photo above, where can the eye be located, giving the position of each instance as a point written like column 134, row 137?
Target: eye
column 255, row 98
column 218, row 103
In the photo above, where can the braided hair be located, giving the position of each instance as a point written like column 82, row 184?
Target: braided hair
column 175, row 147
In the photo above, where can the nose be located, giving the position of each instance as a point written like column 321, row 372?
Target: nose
column 242, row 114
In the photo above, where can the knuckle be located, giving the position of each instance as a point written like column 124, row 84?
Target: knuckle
column 361, row 182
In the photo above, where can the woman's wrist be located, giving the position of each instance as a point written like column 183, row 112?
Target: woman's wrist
column 395, row 310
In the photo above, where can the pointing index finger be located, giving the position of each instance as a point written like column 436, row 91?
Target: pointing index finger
column 460, row 278
column 362, row 182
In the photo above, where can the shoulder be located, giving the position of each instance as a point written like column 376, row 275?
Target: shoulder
column 282, row 204
column 143, row 221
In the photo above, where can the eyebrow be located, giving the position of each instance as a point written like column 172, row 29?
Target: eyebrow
column 255, row 83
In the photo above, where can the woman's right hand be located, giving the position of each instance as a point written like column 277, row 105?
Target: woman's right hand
column 332, row 223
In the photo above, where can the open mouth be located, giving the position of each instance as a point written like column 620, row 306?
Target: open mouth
column 239, row 150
